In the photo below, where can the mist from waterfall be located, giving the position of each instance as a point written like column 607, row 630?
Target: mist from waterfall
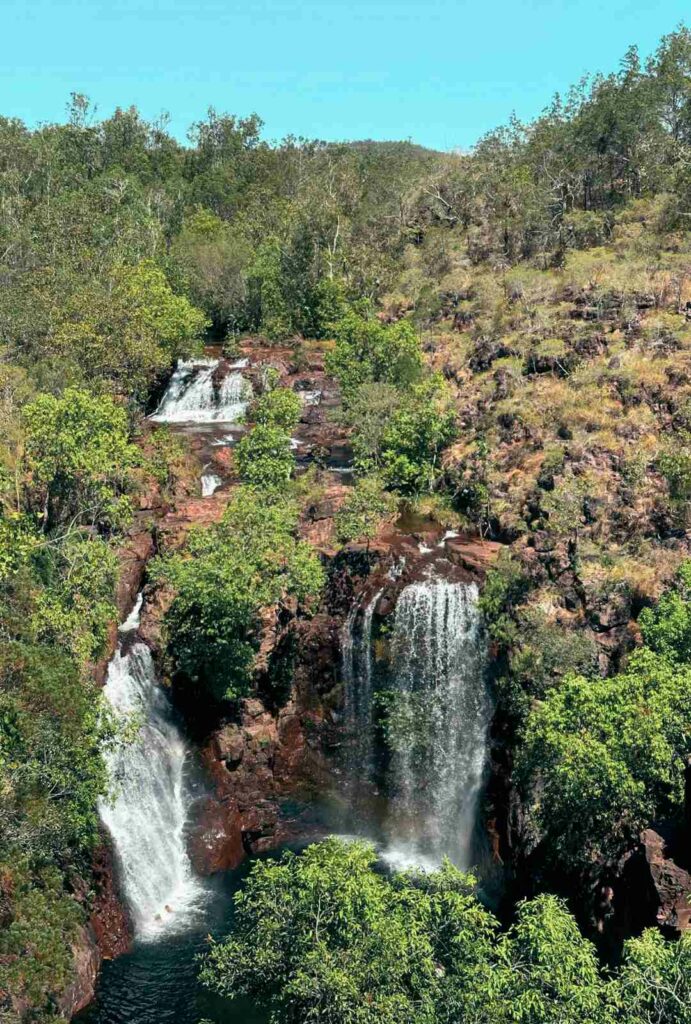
column 147, row 816
column 429, row 709
column 197, row 394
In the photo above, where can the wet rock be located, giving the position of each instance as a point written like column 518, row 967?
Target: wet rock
column 215, row 843
column 110, row 921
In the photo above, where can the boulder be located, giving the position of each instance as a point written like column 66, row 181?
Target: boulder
column 215, row 844
column 656, row 888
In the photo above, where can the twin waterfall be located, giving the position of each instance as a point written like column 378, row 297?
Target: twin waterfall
column 428, row 714
column 147, row 815
column 417, row 712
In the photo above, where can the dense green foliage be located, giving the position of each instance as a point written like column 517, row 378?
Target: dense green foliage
column 364, row 510
column 264, row 457
column 323, row 936
column 277, row 407
column 402, row 418
column 77, row 453
column 368, row 351
column 608, row 755
column 228, row 575
column 511, row 333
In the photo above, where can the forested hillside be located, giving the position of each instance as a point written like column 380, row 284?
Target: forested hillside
column 510, row 331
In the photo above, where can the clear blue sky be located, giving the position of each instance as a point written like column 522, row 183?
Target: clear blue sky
column 438, row 71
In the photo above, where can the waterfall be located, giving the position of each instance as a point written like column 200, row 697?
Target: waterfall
column 359, row 693
column 434, row 709
column 210, row 483
column 147, row 815
column 439, row 713
column 195, row 394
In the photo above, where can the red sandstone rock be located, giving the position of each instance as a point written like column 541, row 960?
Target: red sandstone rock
column 671, row 883
column 216, row 842
column 87, row 961
column 110, row 921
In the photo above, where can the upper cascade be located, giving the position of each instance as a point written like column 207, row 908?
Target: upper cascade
column 204, row 391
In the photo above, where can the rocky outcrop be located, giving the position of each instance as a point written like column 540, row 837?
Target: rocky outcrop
column 87, row 962
column 654, row 889
column 215, row 842
column 110, row 922
column 263, row 766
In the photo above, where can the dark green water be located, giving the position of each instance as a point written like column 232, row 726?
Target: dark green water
column 156, row 983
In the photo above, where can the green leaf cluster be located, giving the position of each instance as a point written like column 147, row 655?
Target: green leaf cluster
column 325, row 936
column 228, row 575
column 264, row 458
column 601, row 758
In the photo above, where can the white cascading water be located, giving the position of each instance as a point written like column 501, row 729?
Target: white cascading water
column 359, row 691
column 210, row 484
column 195, row 394
column 437, row 768
column 146, row 817
column 439, row 711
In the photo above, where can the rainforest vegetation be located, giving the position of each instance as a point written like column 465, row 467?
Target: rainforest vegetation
column 510, row 330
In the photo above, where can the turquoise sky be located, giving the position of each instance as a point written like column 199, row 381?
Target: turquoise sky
column 438, row 72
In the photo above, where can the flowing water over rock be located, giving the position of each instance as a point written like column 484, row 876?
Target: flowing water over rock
column 147, row 818
column 210, row 483
column 434, row 709
column 359, row 694
column 200, row 391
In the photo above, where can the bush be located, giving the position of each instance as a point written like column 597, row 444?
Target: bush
column 367, row 350
column 324, row 936
column 249, row 562
column 264, row 458
column 280, row 407
column 78, row 455
column 608, row 757
column 364, row 511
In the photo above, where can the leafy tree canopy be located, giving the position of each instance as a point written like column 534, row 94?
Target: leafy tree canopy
column 229, row 574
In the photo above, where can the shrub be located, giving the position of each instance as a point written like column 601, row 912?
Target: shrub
column 280, row 407
column 364, row 511
column 249, row 562
column 264, row 458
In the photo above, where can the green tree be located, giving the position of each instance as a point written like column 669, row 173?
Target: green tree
column 78, row 455
column 51, row 765
column 324, row 937
column 231, row 572
column 365, row 509
column 545, row 972
column 278, row 407
column 607, row 756
column 367, row 350
column 666, row 628
column 264, row 457
column 124, row 334
column 416, row 436
column 654, row 986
